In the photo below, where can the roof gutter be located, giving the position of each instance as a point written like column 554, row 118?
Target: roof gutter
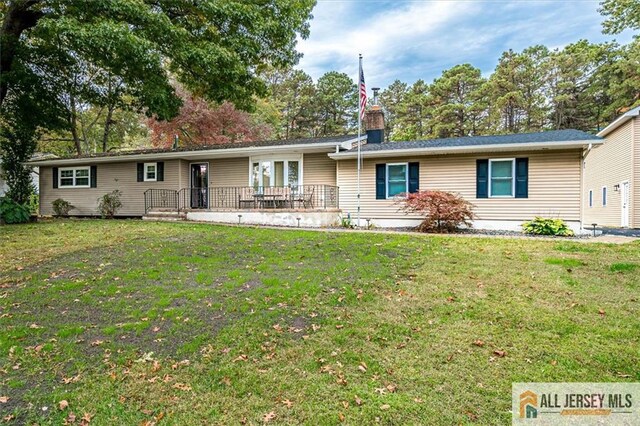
column 193, row 155
column 619, row 121
column 466, row 149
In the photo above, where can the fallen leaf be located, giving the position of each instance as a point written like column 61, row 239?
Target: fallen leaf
column 86, row 418
column 362, row 367
column 345, row 404
column 287, row 403
column 4, row 399
column 182, row 387
column 500, row 353
column 269, row 416
column 71, row 418
column 392, row 387
column 385, row 407
column 601, row 312
column 341, row 417
column 472, row 416
column 339, row 326
column 226, row 381
column 63, row 404
column 358, row 400
column 478, row 343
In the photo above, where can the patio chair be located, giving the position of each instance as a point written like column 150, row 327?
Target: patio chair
column 246, row 198
column 304, row 198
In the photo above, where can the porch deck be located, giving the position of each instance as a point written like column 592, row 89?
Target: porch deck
column 295, row 198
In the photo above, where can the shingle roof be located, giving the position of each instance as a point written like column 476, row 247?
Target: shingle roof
column 283, row 142
column 521, row 138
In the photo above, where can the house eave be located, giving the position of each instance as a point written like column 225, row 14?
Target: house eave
column 619, row 121
column 467, row 149
column 201, row 154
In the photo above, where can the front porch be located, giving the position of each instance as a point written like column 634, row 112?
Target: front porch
column 293, row 205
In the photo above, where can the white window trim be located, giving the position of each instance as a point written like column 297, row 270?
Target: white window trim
column 590, row 199
column 406, row 178
column 272, row 159
column 604, row 193
column 513, row 177
column 155, row 174
column 74, row 169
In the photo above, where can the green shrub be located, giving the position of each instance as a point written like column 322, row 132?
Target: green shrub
column 34, row 204
column 61, row 207
column 109, row 204
column 12, row 212
column 346, row 222
column 547, row 226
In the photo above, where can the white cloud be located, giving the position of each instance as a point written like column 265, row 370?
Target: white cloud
column 420, row 39
column 384, row 38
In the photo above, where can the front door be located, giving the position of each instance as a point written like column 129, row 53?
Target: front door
column 624, row 207
column 199, row 186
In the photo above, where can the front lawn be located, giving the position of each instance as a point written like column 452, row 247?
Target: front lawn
column 131, row 322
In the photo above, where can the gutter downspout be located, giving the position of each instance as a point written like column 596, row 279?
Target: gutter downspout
column 583, row 188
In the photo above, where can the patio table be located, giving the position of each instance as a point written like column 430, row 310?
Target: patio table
column 270, row 200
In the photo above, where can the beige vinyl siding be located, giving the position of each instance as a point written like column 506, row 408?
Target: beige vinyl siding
column 316, row 168
column 184, row 174
column 110, row 176
column 229, row 172
column 607, row 165
column 554, row 185
column 319, row 169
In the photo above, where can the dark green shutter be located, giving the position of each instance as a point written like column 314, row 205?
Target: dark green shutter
column 140, row 172
column 94, row 177
column 381, row 181
column 55, row 177
column 522, row 177
column 414, row 177
column 160, row 171
column 482, row 178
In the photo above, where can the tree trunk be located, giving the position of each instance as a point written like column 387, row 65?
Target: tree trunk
column 107, row 128
column 17, row 19
column 73, row 123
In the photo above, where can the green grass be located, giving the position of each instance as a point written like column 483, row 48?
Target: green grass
column 184, row 323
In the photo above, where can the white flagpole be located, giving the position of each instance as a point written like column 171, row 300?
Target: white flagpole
column 359, row 132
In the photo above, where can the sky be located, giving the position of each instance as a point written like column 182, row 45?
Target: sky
column 411, row 40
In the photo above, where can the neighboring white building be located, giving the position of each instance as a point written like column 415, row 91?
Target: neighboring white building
column 35, row 175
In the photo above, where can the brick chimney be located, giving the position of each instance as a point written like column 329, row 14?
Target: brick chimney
column 374, row 121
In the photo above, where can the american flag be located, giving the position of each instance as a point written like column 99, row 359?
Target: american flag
column 363, row 94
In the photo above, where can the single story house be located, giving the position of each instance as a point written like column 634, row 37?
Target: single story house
column 611, row 190
column 313, row 182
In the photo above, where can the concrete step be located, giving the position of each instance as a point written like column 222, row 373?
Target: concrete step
column 165, row 215
column 164, row 219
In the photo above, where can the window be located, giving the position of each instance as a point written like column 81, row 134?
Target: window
column 591, row 198
column 150, row 172
column 397, row 179
column 604, row 196
column 502, row 183
column 277, row 172
column 77, row 177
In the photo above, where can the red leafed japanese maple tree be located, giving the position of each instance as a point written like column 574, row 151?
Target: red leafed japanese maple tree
column 201, row 124
column 443, row 211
